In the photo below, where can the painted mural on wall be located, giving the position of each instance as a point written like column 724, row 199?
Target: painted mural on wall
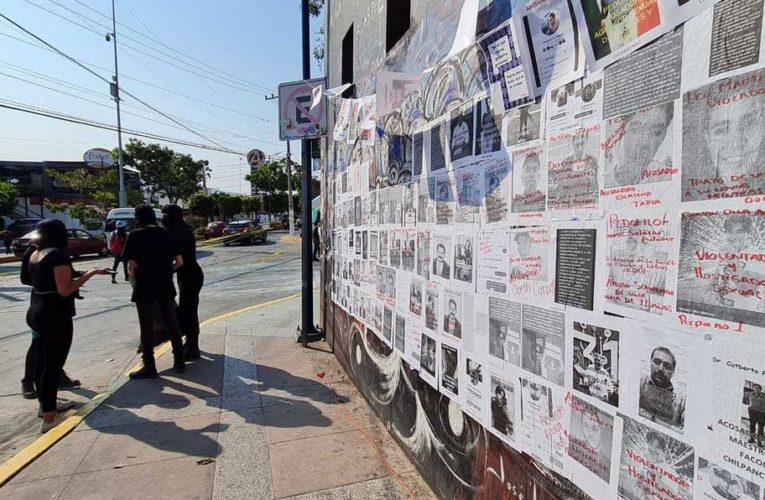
column 547, row 278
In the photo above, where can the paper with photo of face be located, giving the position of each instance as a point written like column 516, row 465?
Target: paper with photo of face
column 503, row 422
column 496, row 187
column 493, row 269
column 429, row 371
column 531, row 275
column 543, row 418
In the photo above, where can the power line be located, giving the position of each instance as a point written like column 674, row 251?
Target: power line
column 63, row 54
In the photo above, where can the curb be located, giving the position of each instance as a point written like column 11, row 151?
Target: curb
column 35, row 450
column 8, row 258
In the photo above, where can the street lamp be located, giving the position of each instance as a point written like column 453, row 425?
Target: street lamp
column 114, row 89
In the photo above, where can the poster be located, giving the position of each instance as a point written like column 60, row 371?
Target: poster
column 496, row 184
column 502, row 408
column 494, row 269
column 596, row 357
column 450, row 370
column 572, row 171
column 475, row 384
column 531, row 277
column 508, row 85
column 524, row 124
column 529, row 185
column 429, row 360
column 464, row 261
column 575, row 258
column 432, row 308
column 452, row 320
column 504, row 332
column 423, row 253
column 591, row 438
column 488, row 136
column 445, row 204
column 469, row 194
column 543, row 414
column 441, row 258
column 461, row 132
column 542, row 343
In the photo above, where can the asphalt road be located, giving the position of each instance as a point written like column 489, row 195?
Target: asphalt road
column 106, row 325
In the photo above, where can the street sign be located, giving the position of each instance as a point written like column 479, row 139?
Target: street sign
column 98, row 157
column 255, row 158
column 298, row 118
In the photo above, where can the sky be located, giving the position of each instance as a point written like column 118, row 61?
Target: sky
column 207, row 64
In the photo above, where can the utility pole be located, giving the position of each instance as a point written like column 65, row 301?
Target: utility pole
column 289, row 190
column 204, row 181
column 115, row 91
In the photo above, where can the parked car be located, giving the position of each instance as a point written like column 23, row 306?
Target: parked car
column 80, row 243
column 20, row 227
column 250, row 232
column 214, row 230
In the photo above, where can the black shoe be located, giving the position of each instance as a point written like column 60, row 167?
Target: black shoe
column 179, row 365
column 28, row 390
column 114, row 281
column 64, row 382
column 191, row 352
column 144, row 372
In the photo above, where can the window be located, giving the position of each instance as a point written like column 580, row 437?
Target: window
column 398, row 20
column 347, row 63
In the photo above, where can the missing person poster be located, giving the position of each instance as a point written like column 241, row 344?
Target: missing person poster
column 502, row 408
column 441, row 246
column 494, row 269
column 724, row 139
column 432, row 308
column 590, row 438
column 429, row 360
column 530, row 274
column 445, row 204
column 524, row 125
column 475, row 384
column 461, row 131
column 596, row 363
column 543, row 419
column 542, row 342
column 423, row 253
column 730, row 432
column 488, row 136
column 529, row 185
column 464, row 261
column 719, row 483
column 575, row 104
column 426, row 201
column 641, row 246
column 496, row 183
column 551, row 50
column 653, row 464
column 450, row 370
column 453, row 319
column 722, row 266
column 469, row 194
column 572, row 171
column 504, row 332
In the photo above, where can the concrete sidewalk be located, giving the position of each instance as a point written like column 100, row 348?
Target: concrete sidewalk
column 250, row 420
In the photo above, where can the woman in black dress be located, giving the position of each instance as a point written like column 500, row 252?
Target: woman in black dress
column 190, row 279
column 49, row 270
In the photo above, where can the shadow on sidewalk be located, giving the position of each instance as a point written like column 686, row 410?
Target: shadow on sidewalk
column 243, row 387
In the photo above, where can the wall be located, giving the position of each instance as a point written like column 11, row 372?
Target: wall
column 605, row 250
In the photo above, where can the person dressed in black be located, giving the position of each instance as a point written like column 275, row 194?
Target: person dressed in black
column 153, row 256
column 190, row 279
column 316, row 241
column 49, row 270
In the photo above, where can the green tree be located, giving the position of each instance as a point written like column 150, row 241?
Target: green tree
column 173, row 175
column 251, row 204
column 228, row 205
column 8, row 195
column 271, row 179
column 203, row 205
column 98, row 185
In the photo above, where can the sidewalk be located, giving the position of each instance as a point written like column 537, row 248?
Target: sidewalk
column 250, row 420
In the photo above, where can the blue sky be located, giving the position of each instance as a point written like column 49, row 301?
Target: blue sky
column 251, row 44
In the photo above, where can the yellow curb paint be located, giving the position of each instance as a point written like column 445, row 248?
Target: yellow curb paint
column 22, row 459
column 291, row 239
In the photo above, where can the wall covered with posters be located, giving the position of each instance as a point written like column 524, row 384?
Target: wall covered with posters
column 545, row 234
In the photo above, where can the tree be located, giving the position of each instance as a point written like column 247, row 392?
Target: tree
column 228, row 205
column 251, row 204
column 100, row 186
column 271, row 178
column 8, row 195
column 203, row 205
column 173, row 175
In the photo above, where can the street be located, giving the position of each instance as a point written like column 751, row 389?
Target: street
column 106, row 325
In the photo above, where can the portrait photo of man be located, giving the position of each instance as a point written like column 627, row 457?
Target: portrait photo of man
column 452, row 323
column 660, row 400
column 461, row 138
column 528, row 196
column 428, row 355
column 501, row 411
column 440, row 266
column 591, row 438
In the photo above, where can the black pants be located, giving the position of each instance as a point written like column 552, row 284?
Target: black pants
column 166, row 309
column 117, row 260
column 53, row 348
column 189, row 285
column 756, row 419
column 31, row 362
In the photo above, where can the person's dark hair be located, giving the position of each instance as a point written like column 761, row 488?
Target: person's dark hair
column 172, row 217
column 51, row 234
column 667, row 352
column 144, row 215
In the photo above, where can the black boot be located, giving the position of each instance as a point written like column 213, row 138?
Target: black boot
column 66, row 382
column 28, row 390
column 178, row 364
column 146, row 371
column 191, row 349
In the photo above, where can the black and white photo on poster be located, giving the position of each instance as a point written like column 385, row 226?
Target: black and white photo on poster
column 715, row 482
column 640, row 255
column 529, row 183
column 377, row 320
column 653, row 464
column 575, row 265
column 461, row 131
column 665, row 365
column 542, row 342
column 722, row 265
column 494, row 263
column 396, row 203
column 452, row 320
column 384, row 248
column 544, row 415
column 365, row 210
column 505, row 331
column 595, row 350
column 374, row 219
column 464, row 260
column 437, row 142
column 444, row 200
column 357, row 211
column 356, row 273
column 638, row 147
column 423, row 253
column 413, row 340
column 400, row 334
column 531, row 277
column 524, row 124
column 432, row 301
column 383, row 206
column 450, row 371
column 502, row 407
column 442, row 253
column 408, row 207
column 468, row 183
column 417, row 154
column 402, row 292
column 475, row 385
column 591, row 437
column 416, row 286
column 374, row 244
column 496, row 184
column 730, row 431
column 365, row 244
column 551, row 50
column 388, row 325
column 357, row 247
column 575, row 105
column 492, row 14
column 408, row 250
column 394, row 249
column 572, row 170
column 429, row 360
column 724, row 139
column 736, row 35
column 390, row 287
column 426, row 201
column 488, row 136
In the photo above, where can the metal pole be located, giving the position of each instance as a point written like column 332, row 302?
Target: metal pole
column 307, row 319
column 289, row 190
column 122, row 196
